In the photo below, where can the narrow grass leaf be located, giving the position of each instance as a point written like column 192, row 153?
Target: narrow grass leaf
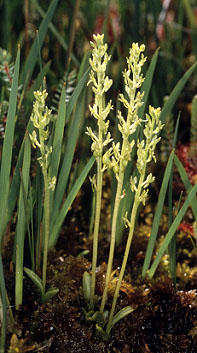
column 84, row 66
column 189, row 12
column 56, row 33
column 38, row 81
column 186, row 183
column 6, row 159
column 175, row 93
column 68, row 156
column 157, row 217
column 70, row 198
column 172, row 230
column 31, row 60
column 148, row 82
column 172, row 245
column 21, row 224
column 120, row 315
column 47, row 296
column 75, row 95
column 35, row 279
column 86, row 285
column 58, row 135
column 15, row 185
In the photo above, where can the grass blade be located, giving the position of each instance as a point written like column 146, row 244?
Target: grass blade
column 120, row 315
column 21, row 224
column 172, row 230
column 175, row 93
column 38, row 81
column 186, row 183
column 7, row 149
column 64, row 210
column 156, row 220
column 172, row 245
column 75, row 95
column 58, row 135
column 148, row 82
column 31, row 60
column 35, row 279
column 68, row 156
column 56, row 34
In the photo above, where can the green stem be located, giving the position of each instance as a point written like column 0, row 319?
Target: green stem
column 96, row 231
column 46, row 220
column 113, row 237
column 98, row 210
column 127, row 249
column 115, row 213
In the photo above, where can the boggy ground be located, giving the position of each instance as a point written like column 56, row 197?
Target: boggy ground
column 165, row 319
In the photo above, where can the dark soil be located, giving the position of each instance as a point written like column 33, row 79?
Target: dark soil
column 164, row 319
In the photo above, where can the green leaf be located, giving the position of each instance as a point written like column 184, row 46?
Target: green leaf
column 31, row 60
column 101, row 333
column 75, row 95
column 35, row 279
column 172, row 230
column 38, row 81
column 71, row 196
column 157, row 217
column 119, row 316
column 21, row 224
column 148, row 82
column 86, row 285
column 6, row 159
column 58, row 135
column 186, row 183
column 175, row 93
column 98, row 317
column 47, row 296
column 56, row 33
column 65, row 169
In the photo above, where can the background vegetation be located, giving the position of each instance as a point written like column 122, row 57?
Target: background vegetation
column 46, row 45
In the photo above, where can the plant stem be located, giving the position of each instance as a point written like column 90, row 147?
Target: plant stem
column 116, row 209
column 46, row 221
column 127, row 249
column 113, row 237
column 98, row 209
column 96, row 231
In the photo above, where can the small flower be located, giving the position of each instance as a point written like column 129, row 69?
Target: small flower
column 33, row 138
column 100, row 85
column 52, row 183
column 126, row 220
column 133, row 183
column 41, row 117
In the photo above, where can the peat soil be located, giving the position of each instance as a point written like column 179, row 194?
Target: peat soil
column 165, row 315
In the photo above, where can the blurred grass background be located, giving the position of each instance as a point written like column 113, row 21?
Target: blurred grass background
column 168, row 24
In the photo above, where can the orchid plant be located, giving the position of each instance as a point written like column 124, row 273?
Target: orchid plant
column 116, row 157
column 39, row 137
